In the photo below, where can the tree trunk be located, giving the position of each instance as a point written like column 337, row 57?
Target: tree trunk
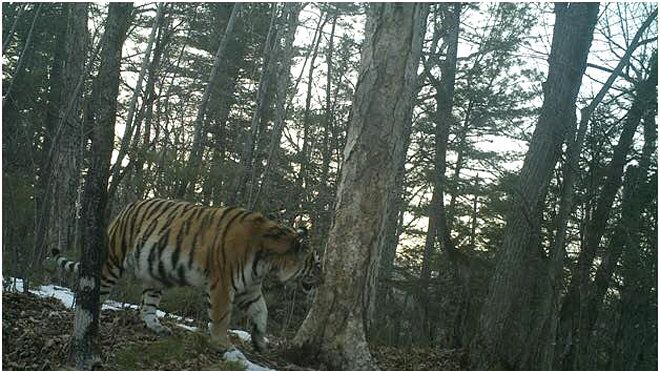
column 574, row 305
column 636, row 337
column 304, row 155
column 290, row 15
column 132, row 105
column 438, row 225
column 567, row 193
column 195, row 159
column 21, row 58
column 241, row 184
column 6, row 39
column 324, row 204
column 511, row 329
column 84, row 349
column 44, row 192
column 334, row 330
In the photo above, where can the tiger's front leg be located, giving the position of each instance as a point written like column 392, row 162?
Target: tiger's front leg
column 219, row 310
column 258, row 314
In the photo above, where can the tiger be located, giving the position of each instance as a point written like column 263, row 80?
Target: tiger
column 226, row 250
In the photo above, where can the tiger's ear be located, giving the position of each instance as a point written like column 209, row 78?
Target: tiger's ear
column 275, row 232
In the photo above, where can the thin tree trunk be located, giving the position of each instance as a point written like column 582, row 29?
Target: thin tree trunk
column 45, row 196
column 323, row 208
column 84, row 348
column 291, row 12
column 638, row 298
column 129, row 126
column 334, row 330
column 438, row 226
column 578, row 306
column 304, row 155
column 240, row 186
column 132, row 105
column 21, row 59
column 511, row 329
column 567, row 193
column 574, row 304
column 200, row 125
column 10, row 34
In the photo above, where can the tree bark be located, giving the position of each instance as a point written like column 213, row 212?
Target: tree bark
column 84, row 349
column 334, row 330
column 511, row 328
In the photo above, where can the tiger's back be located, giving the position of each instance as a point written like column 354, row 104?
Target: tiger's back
column 170, row 242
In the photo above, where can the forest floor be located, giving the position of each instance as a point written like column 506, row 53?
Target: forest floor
column 36, row 332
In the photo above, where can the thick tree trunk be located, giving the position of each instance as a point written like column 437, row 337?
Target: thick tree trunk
column 334, row 330
column 512, row 324
column 195, row 158
column 84, row 349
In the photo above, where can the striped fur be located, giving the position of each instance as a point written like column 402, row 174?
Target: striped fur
column 228, row 251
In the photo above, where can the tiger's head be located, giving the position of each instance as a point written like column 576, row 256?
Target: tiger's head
column 292, row 256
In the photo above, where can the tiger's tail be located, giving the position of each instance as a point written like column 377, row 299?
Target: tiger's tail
column 64, row 263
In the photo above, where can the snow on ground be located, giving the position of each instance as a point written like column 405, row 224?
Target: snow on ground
column 66, row 296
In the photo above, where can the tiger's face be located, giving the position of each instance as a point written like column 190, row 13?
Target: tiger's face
column 294, row 258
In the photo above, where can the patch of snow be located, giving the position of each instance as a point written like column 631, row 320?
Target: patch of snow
column 237, row 356
column 189, row 328
column 243, row 335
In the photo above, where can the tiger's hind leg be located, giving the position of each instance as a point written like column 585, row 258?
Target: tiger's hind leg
column 219, row 299
column 110, row 274
column 148, row 310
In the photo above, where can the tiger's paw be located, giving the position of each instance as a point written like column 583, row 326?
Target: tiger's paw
column 162, row 331
column 221, row 345
column 259, row 343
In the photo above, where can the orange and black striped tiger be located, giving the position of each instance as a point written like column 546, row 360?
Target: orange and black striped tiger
column 229, row 251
